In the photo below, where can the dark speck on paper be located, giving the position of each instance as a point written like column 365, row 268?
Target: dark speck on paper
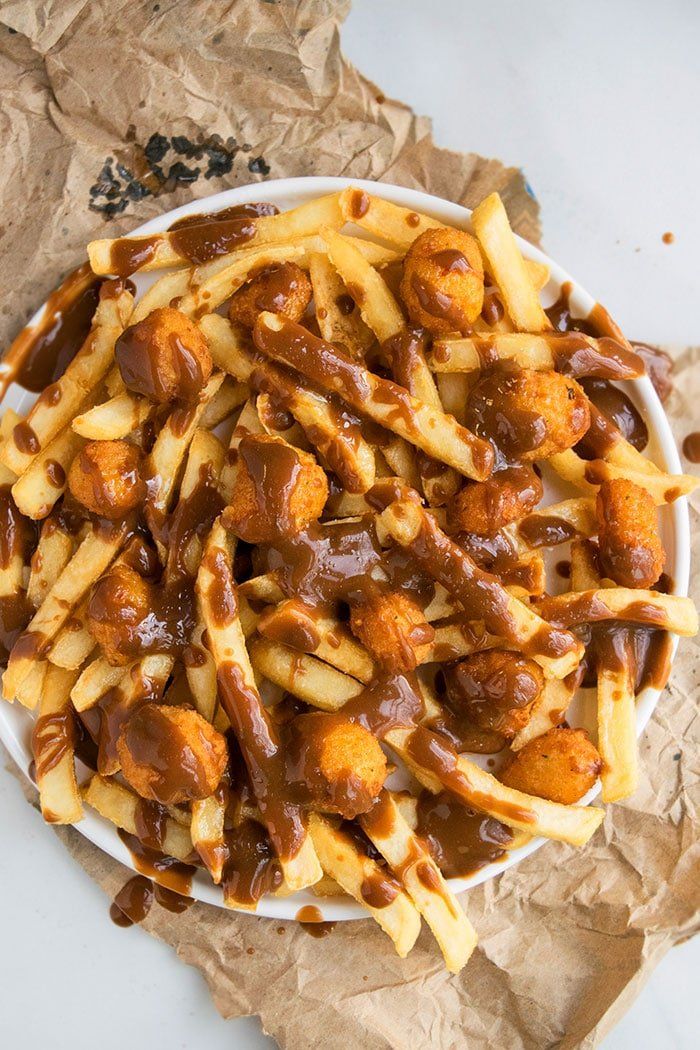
column 677, row 756
column 161, row 165
column 258, row 166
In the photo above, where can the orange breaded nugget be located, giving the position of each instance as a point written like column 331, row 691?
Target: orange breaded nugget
column 562, row 765
column 393, row 628
column 278, row 490
column 484, row 507
column 631, row 551
column 165, row 357
column 283, row 288
column 338, row 763
column 121, row 601
column 443, row 281
column 528, row 415
column 495, row 689
column 171, row 754
column 104, row 477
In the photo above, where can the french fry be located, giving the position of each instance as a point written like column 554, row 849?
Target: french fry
column 29, row 690
column 94, row 681
column 113, row 419
column 207, row 831
column 305, row 676
column 588, row 475
column 60, row 402
column 163, row 464
column 241, row 702
column 119, row 805
column 572, row 353
column 319, row 634
column 410, row 526
column 128, row 254
column 399, row 226
column 617, row 726
column 354, row 871
column 558, row 523
column 73, row 643
column 207, row 296
column 88, row 563
column 201, row 673
column 437, row 766
column 548, row 711
column 410, row 861
column 8, row 422
column 346, row 328
column 507, row 266
column 337, row 439
column 438, row 435
column 230, row 396
column 48, row 561
column 668, row 612
column 54, row 753
column 44, row 480
column 205, row 458
column 378, row 308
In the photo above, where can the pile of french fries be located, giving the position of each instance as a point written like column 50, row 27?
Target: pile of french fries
column 57, row 670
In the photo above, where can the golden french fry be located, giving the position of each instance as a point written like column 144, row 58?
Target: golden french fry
column 119, row 805
column 322, row 635
column 548, row 711
column 127, row 254
column 507, row 266
column 94, row 681
column 436, row 765
column 572, row 353
column 113, row 419
column 339, row 320
column 338, row 439
column 355, row 872
column 44, row 481
column 669, row 612
column 73, row 643
column 438, row 435
column 378, row 308
column 241, row 701
column 481, row 595
column 48, row 561
column 88, row 563
column 410, row 861
column 617, row 730
column 305, row 676
column 59, row 403
column 207, row 831
column 54, row 752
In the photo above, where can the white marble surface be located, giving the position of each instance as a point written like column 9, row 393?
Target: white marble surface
column 597, row 103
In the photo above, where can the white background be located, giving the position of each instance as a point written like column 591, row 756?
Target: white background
column 598, row 103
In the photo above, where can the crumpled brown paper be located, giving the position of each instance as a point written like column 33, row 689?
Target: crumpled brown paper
column 114, row 111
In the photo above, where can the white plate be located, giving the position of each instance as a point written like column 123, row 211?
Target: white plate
column 15, row 722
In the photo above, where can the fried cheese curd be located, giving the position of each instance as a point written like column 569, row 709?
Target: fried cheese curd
column 164, row 358
column 104, row 478
column 631, row 551
column 118, row 609
column 278, row 490
column 443, row 281
column 338, row 764
column 171, row 754
column 496, row 689
column 392, row 626
column 283, row 288
column 562, row 765
column 527, row 414
column 484, row 507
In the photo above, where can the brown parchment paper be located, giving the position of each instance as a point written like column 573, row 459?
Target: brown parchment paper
column 112, row 111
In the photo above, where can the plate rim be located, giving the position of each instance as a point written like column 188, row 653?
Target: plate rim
column 102, row 833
